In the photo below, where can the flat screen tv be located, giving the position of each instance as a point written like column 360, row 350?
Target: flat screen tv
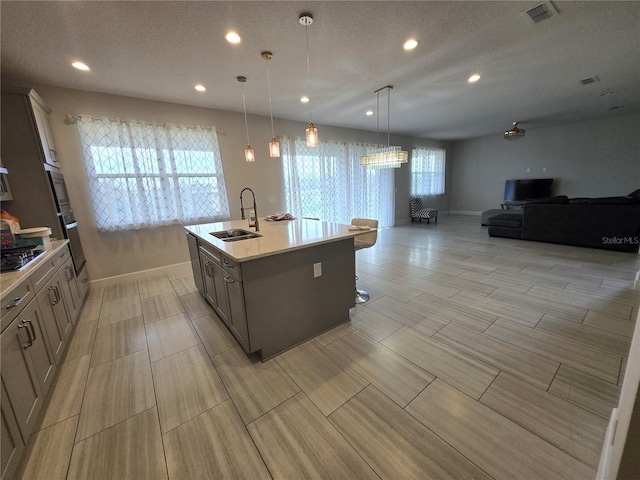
column 528, row 189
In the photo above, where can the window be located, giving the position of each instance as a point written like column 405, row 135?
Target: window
column 428, row 171
column 147, row 175
column 328, row 182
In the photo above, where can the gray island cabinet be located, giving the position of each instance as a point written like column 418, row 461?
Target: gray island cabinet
column 274, row 291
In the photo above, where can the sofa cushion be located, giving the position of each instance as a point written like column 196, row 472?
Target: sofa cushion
column 557, row 200
column 635, row 194
column 510, row 220
column 613, row 201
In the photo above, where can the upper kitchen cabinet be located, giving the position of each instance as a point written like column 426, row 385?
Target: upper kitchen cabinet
column 41, row 116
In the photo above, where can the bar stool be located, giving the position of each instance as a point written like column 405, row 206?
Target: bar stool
column 365, row 240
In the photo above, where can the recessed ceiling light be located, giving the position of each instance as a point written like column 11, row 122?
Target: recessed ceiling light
column 304, row 99
column 474, row 78
column 410, row 44
column 200, row 88
column 233, row 37
column 80, row 66
column 369, row 113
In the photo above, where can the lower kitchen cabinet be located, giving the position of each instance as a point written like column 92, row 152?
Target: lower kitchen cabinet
column 55, row 318
column 70, row 291
column 12, row 445
column 27, row 366
column 237, row 312
column 214, row 284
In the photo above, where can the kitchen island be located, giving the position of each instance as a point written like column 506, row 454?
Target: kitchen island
column 294, row 281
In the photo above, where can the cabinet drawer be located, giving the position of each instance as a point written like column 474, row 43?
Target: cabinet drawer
column 231, row 267
column 45, row 271
column 213, row 253
column 14, row 302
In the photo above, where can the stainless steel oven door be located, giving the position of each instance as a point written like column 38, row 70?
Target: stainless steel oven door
column 70, row 228
column 59, row 191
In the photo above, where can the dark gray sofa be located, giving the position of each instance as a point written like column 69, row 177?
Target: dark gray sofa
column 611, row 223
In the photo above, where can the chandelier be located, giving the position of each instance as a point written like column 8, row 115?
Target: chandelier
column 515, row 133
column 389, row 156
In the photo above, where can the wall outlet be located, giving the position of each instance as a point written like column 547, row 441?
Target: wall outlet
column 317, row 270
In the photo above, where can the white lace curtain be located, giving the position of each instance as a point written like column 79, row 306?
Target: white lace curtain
column 147, row 175
column 328, row 182
column 428, row 171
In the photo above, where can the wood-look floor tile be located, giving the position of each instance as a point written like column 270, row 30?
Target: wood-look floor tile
column 186, row 384
column 119, row 310
column 531, row 367
column 170, row 335
column 395, row 444
column 184, row 270
column 118, row 340
column 544, row 276
column 540, row 304
column 116, row 391
column 327, row 382
column 150, row 287
column 66, row 397
column 500, row 447
column 504, row 285
column 95, row 293
column 454, row 312
column 215, row 336
column 508, row 308
column 532, row 277
column 589, row 392
column 435, row 266
column 49, row 451
column 461, row 283
column 335, row 333
column 161, row 306
column 90, row 310
column 467, row 266
column 395, row 376
column 368, row 269
column 406, row 269
column 390, row 288
column 622, row 296
column 195, row 306
column 609, row 323
column 82, row 340
column 255, row 387
column 582, row 357
column 582, row 301
column 131, row 449
column 213, row 445
column 569, row 427
column 120, row 291
column 598, row 271
column 184, row 286
column 409, row 314
column 374, row 324
column 297, row 441
column 425, row 285
column 587, row 335
column 459, row 369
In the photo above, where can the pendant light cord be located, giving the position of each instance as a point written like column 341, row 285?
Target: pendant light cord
column 388, row 116
column 270, row 105
column 377, row 118
column 306, row 34
column 244, row 106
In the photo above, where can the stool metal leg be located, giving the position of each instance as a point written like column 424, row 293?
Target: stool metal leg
column 361, row 295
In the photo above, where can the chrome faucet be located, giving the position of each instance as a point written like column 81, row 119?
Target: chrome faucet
column 255, row 209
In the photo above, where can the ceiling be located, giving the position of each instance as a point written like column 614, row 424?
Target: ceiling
column 159, row 50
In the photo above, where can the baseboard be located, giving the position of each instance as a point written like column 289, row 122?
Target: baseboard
column 129, row 277
column 465, row 212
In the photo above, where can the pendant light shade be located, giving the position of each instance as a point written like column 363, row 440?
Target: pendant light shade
column 312, row 132
column 248, row 152
column 274, row 146
column 515, row 133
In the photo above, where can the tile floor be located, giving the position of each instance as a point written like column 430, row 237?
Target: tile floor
column 475, row 358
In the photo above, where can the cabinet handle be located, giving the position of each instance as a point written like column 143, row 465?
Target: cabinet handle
column 33, row 330
column 84, row 280
column 55, row 296
column 30, row 344
column 16, row 301
column 229, row 279
column 229, row 264
column 69, row 273
column 57, row 290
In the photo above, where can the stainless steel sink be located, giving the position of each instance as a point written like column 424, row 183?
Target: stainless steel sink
column 235, row 234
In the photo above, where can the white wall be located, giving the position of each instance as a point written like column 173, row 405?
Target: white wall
column 598, row 158
column 118, row 253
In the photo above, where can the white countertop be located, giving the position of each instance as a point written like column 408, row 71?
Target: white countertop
column 10, row 280
column 277, row 237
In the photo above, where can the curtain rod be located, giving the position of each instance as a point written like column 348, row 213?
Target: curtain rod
column 75, row 118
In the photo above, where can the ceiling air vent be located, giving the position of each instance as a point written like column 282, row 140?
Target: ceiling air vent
column 587, row 81
column 539, row 12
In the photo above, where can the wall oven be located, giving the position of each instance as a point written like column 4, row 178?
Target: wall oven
column 70, row 230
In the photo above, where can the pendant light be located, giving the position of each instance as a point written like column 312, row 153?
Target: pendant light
column 274, row 146
column 248, row 152
column 390, row 156
column 515, row 133
column 312, row 132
